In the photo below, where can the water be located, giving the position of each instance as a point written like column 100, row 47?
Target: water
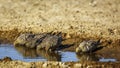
column 32, row 55
column 10, row 51
column 107, row 60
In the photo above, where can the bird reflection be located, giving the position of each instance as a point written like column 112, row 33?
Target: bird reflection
column 87, row 57
column 33, row 53
column 50, row 56
column 26, row 52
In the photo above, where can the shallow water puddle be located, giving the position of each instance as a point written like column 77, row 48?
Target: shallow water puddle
column 69, row 56
column 107, row 60
column 10, row 51
column 30, row 55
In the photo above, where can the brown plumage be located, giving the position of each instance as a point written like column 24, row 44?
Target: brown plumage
column 87, row 46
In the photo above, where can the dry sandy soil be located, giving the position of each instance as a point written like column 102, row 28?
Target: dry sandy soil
column 91, row 18
column 76, row 19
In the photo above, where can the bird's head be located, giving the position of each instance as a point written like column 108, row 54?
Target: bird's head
column 78, row 50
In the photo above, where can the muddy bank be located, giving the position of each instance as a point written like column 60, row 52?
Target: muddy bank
column 52, row 64
column 7, row 62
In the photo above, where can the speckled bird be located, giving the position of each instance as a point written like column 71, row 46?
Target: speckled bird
column 50, row 43
column 87, row 46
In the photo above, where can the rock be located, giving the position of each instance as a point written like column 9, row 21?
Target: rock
column 56, row 63
column 50, row 43
column 87, row 46
column 45, row 65
column 6, row 59
column 77, row 65
column 67, row 36
column 64, row 65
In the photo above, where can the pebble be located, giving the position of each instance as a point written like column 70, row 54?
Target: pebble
column 117, row 32
column 7, row 59
column 77, row 65
column 56, row 64
column 45, row 65
column 89, row 67
column 67, row 36
column 64, row 65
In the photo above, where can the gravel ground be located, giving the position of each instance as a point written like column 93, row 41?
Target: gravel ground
column 88, row 18
column 52, row 64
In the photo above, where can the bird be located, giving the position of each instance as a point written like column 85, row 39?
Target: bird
column 46, row 41
column 50, row 42
column 29, row 40
column 87, row 46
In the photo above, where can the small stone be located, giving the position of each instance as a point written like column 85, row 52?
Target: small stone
column 67, row 27
column 60, row 63
column 64, row 65
column 89, row 67
column 45, row 65
column 67, row 36
column 93, row 3
column 117, row 32
column 110, row 31
column 77, row 65
column 7, row 59
column 56, row 64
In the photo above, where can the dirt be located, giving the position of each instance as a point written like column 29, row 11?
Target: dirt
column 7, row 62
column 78, row 20
column 52, row 64
column 91, row 18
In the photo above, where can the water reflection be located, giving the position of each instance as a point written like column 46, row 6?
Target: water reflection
column 87, row 57
column 33, row 53
column 50, row 56
column 26, row 52
column 56, row 56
